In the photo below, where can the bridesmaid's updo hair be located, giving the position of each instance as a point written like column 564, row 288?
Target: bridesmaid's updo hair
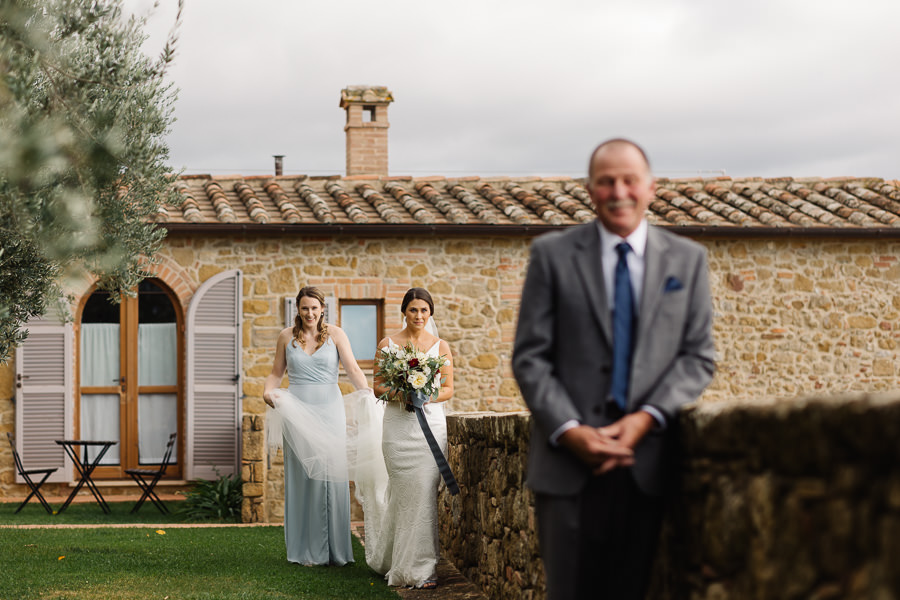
column 322, row 336
column 417, row 294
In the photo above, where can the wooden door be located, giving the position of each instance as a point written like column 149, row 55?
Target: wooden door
column 129, row 373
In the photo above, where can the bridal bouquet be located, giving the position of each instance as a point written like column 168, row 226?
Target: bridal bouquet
column 409, row 373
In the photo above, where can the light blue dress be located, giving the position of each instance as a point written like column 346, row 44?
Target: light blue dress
column 316, row 512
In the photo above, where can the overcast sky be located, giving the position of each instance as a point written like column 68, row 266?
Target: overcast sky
column 525, row 87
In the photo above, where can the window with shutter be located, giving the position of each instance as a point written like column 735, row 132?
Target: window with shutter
column 213, row 441
column 44, row 395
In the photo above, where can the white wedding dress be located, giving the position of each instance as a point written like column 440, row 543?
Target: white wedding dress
column 401, row 517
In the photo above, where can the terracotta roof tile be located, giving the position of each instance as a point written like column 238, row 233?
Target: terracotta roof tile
column 190, row 210
column 426, row 189
column 410, row 204
column 318, row 206
column 289, row 212
column 506, row 205
column 716, row 203
column 567, row 204
column 385, row 209
column 473, row 203
column 344, row 200
column 745, row 205
column 254, row 207
column 544, row 209
column 222, row 206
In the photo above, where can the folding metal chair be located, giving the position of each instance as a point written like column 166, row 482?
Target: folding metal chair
column 147, row 479
column 27, row 475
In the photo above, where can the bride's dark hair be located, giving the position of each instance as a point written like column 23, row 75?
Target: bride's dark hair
column 417, row 294
column 322, row 328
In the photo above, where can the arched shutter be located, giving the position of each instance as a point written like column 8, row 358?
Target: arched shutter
column 44, row 395
column 213, row 398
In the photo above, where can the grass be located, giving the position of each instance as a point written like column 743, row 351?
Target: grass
column 87, row 513
column 232, row 563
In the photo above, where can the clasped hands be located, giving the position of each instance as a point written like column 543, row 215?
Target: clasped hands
column 606, row 448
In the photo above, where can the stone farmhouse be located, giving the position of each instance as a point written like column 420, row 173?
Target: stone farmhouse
column 805, row 277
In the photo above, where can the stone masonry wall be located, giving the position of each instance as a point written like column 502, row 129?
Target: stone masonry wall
column 792, row 316
column 778, row 500
column 475, row 283
column 801, row 317
column 488, row 529
column 796, row 499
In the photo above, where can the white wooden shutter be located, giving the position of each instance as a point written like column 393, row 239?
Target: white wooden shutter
column 44, row 395
column 213, row 440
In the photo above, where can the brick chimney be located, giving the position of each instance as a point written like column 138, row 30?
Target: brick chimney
column 367, row 129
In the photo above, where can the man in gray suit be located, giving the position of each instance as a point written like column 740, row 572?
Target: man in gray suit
column 614, row 336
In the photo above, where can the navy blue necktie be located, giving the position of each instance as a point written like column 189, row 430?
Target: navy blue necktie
column 623, row 325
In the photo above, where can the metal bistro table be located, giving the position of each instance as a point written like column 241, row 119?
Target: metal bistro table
column 85, row 467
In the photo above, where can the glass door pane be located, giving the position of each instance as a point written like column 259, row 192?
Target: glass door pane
column 100, row 373
column 157, row 372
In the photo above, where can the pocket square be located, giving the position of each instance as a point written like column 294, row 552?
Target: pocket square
column 673, row 284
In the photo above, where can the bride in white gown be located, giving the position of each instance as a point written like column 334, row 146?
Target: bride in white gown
column 401, row 520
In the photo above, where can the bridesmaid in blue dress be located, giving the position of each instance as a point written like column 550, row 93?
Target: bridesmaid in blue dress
column 312, row 417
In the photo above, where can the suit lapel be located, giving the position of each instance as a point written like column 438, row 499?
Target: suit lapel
column 588, row 266
column 655, row 268
column 656, row 265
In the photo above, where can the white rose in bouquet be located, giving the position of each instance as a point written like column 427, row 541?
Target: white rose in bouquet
column 417, row 379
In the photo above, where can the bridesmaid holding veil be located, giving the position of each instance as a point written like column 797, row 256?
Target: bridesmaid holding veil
column 402, row 523
column 309, row 420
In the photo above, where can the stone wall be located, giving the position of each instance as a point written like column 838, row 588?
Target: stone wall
column 487, row 530
column 793, row 316
column 475, row 283
column 802, row 317
column 790, row 499
column 796, row 499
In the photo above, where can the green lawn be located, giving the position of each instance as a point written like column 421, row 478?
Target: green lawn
column 245, row 563
column 86, row 512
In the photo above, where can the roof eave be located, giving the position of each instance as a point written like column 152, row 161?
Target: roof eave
column 359, row 229
column 726, row 232
column 449, row 229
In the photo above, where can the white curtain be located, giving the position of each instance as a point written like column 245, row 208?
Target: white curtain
column 157, row 365
column 100, row 367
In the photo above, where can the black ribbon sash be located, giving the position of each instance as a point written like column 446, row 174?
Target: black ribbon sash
column 418, row 401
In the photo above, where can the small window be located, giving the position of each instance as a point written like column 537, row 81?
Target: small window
column 368, row 114
column 361, row 320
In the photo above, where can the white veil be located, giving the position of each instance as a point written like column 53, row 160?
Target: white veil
column 430, row 326
column 327, row 450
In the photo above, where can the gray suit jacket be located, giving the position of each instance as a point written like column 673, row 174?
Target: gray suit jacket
column 562, row 355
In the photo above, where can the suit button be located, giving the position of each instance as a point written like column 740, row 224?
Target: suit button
column 598, row 410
